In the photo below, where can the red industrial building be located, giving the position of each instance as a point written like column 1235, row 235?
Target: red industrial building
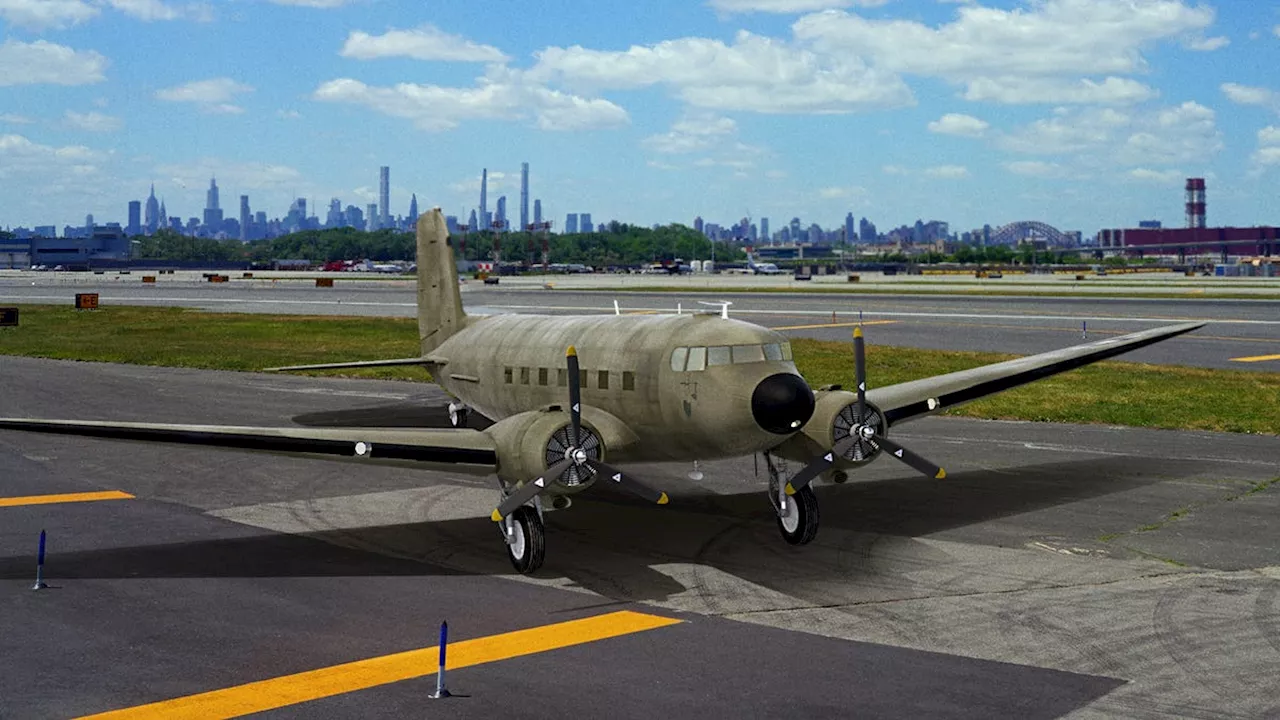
column 1196, row 238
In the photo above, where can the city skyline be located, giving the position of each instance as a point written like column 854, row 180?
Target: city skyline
column 1086, row 114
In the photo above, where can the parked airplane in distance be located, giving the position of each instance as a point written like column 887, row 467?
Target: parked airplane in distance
column 573, row 397
column 762, row 268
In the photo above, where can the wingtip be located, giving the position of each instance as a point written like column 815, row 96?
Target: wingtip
column 663, row 500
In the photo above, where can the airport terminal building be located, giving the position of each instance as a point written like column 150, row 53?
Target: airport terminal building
column 105, row 243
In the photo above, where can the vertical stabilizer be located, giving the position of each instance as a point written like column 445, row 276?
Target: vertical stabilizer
column 440, row 313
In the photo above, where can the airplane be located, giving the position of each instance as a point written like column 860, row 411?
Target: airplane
column 762, row 268
column 572, row 398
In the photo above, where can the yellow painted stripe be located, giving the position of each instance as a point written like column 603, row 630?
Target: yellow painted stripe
column 1256, row 358
column 315, row 684
column 65, row 498
column 819, row 326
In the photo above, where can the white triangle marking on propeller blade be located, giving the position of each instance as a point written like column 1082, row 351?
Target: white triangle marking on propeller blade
column 577, row 408
column 862, row 386
column 897, row 453
column 828, row 457
column 617, row 477
column 540, row 482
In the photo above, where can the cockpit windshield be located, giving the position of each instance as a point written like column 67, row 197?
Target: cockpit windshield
column 696, row 359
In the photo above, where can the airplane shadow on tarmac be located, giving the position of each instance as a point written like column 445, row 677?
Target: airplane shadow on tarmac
column 624, row 550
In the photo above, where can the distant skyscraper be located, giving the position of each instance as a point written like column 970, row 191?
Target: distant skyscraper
column 88, row 223
column 413, row 210
column 164, row 216
column 384, row 196
column 764, row 229
column 153, row 219
column 135, row 218
column 524, row 195
column 335, row 217
column 212, row 210
column 484, row 198
column 371, row 217
column 584, row 223
column 867, row 231
column 795, row 230
column 246, row 218
column 537, row 212
column 849, row 235
column 697, row 224
column 471, row 222
column 353, row 217
column 501, row 214
column 571, row 223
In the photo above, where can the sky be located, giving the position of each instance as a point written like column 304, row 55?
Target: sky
column 1083, row 114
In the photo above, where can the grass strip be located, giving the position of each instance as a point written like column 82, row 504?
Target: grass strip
column 1113, row 393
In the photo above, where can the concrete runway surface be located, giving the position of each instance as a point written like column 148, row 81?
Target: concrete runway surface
column 1081, row 571
column 1238, row 329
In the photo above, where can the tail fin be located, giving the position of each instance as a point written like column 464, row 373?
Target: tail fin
column 440, row 312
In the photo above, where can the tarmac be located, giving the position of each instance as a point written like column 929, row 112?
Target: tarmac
column 1243, row 334
column 1060, row 570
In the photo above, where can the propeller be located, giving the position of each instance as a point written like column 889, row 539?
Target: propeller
column 861, row 432
column 574, row 455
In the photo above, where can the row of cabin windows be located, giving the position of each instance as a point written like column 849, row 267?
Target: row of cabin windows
column 542, row 376
column 694, row 359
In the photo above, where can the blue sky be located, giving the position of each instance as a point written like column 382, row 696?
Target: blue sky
column 1081, row 113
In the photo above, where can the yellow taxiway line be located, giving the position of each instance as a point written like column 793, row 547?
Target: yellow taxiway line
column 1256, row 358
column 65, row 498
column 288, row 690
column 819, row 326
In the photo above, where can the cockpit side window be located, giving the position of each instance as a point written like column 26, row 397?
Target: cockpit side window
column 773, row 352
column 678, row 357
column 697, row 359
column 786, row 351
column 747, row 354
column 718, row 355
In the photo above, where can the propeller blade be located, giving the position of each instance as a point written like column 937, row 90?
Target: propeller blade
column 818, row 465
column 616, row 476
column 860, row 372
column 910, row 458
column 575, row 396
column 527, row 491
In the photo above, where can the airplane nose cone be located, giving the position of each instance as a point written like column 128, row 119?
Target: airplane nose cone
column 782, row 403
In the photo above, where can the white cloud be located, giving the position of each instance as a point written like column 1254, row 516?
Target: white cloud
column 500, row 95
column 894, row 170
column 1163, row 177
column 214, row 95
column 848, row 192
column 787, row 6
column 288, row 114
column 1049, row 51
column 315, row 3
column 947, row 171
column 692, row 134
column 1067, row 132
column 1268, row 152
column 46, row 13
column 1276, row 31
column 498, row 181
column 423, row 43
column 42, row 62
column 244, row 176
column 754, row 73
column 1208, row 44
column 1035, row 168
column 1186, row 133
column 15, row 119
column 93, row 121
column 959, row 124
column 1248, row 95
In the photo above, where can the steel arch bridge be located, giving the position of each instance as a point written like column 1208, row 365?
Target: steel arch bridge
column 1014, row 232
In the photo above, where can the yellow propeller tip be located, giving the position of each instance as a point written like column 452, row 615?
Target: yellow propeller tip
column 496, row 516
column 941, row 474
column 789, row 490
column 571, row 352
column 664, row 499
column 857, row 332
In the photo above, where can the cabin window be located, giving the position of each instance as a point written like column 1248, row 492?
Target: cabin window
column 602, row 380
column 747, row 354
column 628, row 380
column 718, row 355
column 697, row 359
column 562, row 377
column 678, row 357
column 506, row 375
column 524, row 376
column 542, row 376
column 773, row 352
column 786, row 351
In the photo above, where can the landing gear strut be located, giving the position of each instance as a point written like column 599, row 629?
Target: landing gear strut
column 798, row 513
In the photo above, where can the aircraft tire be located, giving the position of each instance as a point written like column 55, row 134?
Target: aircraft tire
column 530, row 547
column 458, row 416
column 801, row 528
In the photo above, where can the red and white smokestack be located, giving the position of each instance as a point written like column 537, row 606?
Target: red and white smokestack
column 1195, row 203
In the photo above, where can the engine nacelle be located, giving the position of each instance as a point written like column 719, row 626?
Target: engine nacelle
column 834, row 417
column 530, row 442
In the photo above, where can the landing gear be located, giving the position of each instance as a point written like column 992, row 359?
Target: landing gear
column 798, row 513
column 458, row 414
column 526, row 539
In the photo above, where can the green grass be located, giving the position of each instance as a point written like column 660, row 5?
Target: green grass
column 1111, row 392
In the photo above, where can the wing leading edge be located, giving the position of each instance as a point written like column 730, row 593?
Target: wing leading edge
column 917, row 398
column 378, row 446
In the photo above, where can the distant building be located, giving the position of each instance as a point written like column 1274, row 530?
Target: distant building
column 212, row 209
column 135, row 218
column 471, row 222
column 584, row 223
column 501, row 215
column 571, row 223
column 353, row 217
column 697, row 224
column 384, row 196
column 371, row 217
column 412, row 220
column 1149, row 224
column 764, row 230
column 537, row 212
column 246, row 219
column 524, row 195
column 334, row 218
column 849, row 235
column 153, row 219
column 1224, row 241
column 484, row 198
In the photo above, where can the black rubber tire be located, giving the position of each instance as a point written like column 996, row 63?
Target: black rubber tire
column 529, row 525
column 459, row 417
column 806, row 503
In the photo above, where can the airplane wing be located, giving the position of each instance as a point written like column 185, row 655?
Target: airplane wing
column 915, row 399
column 360, row 364
column 473, row 450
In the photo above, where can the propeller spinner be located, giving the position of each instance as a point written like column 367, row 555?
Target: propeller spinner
column 861, row 432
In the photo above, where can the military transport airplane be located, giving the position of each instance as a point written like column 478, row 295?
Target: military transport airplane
column 573, row 397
